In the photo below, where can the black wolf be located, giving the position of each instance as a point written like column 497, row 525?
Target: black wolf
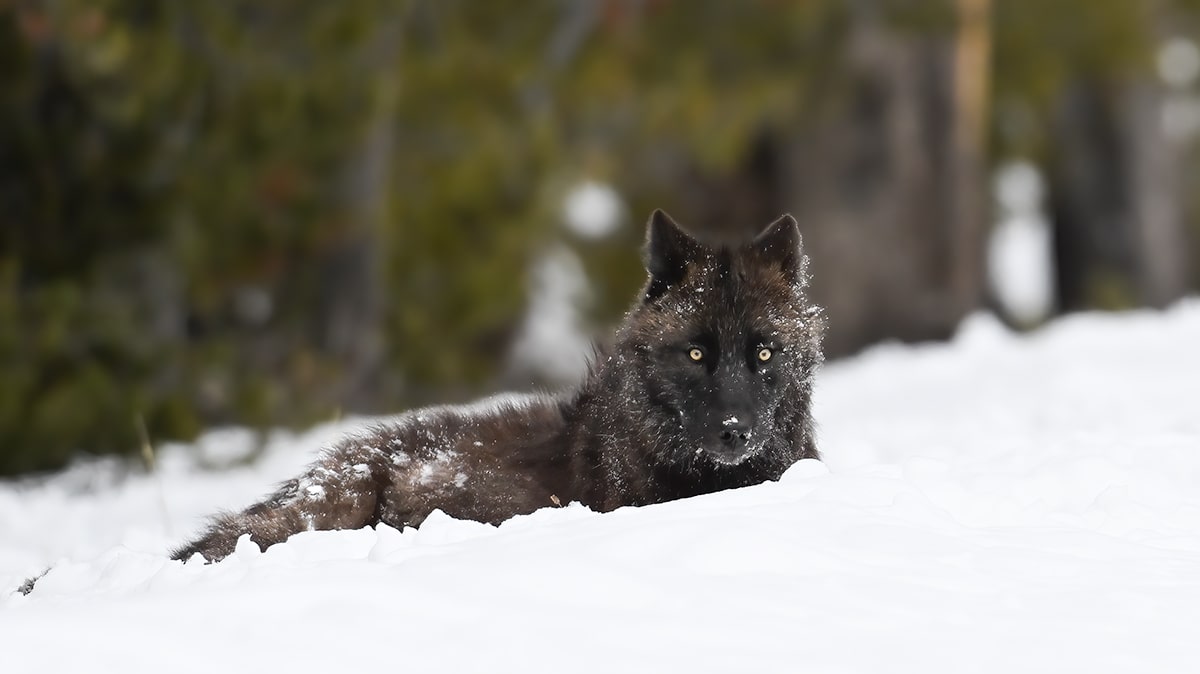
column 706, row 386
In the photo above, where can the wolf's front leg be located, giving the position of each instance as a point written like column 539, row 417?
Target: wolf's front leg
column 336, row 492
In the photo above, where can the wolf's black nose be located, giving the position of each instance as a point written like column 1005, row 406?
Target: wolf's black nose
column 734, row 432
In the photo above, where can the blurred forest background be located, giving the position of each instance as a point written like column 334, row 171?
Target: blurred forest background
column 271, row 213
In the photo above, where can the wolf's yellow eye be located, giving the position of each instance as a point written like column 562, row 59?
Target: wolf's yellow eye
column 696, row 355
column 764, row 354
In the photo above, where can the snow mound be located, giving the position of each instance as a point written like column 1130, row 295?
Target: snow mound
column 1000, row 503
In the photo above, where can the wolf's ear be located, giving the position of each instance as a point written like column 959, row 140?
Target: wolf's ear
column 779, row 245
column 669, row 249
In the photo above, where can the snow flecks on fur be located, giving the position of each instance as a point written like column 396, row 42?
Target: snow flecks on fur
column 438, row 471
column 425, row 474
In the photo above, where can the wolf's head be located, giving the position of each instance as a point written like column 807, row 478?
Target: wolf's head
column 725, row 346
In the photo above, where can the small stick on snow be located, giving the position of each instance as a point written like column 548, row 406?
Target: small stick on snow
column 148, row 458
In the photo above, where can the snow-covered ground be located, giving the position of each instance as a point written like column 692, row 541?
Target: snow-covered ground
column 998, row 504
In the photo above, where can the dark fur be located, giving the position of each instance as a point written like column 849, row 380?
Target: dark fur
column 647, row 425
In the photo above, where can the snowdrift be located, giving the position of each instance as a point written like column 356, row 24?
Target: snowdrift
column 997, row 504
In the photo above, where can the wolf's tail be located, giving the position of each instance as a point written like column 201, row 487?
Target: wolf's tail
column 331, row 494
column 27, row 586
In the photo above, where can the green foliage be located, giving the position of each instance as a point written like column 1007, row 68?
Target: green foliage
column 193, row 194
column 1041, row 47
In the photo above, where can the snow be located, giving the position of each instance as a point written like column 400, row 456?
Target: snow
column 1020, row 251
column 554, row 344
column 1179, row 62
column 1181, row 117
column 592, row 210
column 1000, row 503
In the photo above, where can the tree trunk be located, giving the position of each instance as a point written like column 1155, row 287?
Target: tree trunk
column 1119, row 230
column 889, row 187
column 352, row 302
